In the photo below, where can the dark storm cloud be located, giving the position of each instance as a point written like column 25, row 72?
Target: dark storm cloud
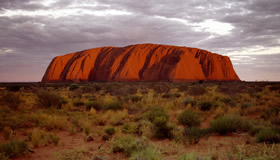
column 30, row 38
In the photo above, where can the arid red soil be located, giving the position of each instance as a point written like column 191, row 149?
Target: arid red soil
column 170, row 149
column 143, row 62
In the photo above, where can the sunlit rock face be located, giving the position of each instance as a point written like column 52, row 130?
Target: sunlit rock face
column 142, row 62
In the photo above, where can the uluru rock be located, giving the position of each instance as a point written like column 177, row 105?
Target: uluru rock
column 142, row 62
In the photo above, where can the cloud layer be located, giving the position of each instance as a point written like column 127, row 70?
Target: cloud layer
column 33, row 32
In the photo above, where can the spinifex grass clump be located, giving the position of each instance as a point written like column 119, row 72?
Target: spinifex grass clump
column 128, row 145
column 12, row 100
column 225, row 124
column 194, row 134
column 13, row 148
column 159, row 119
column 113, row 105
column 197, row 90
column 110, row 130
column 149, row 153
column 268, row 135
column 94, row 104
column 49, row 99
column 189, row 100
column 206, row 105
column 73, row 87
column 189, row 118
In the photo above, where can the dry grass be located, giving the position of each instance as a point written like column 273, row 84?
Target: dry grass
column 124, row 106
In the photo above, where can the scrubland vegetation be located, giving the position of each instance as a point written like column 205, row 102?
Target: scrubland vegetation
column 140, row 121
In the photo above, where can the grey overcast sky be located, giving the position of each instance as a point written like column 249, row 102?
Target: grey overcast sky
column 32, row 32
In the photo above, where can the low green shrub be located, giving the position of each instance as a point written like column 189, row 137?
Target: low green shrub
column 41, row 137
column 93, row 104
column 161, row 128
column 193, row 134
column 149, row 153
column 135, row 98
column 255, row 130
column 113, row 105
column 13, row 87
column 155, row 112
column 13, row 148
column 190, row 100
column 7, row 132
column 189, row 118
column 196, row 90
column 73, row 87
column 87, row 129
column 229, row 101
column 12, row 100
column 78, row 103
column 110, row 131
column 225, row 124
column 3, row 156
column 48, row 99
column 206, row 105
column 127, row 128
column 268, row 135
column 128, row 145
column 246, row 105
column 159, row 118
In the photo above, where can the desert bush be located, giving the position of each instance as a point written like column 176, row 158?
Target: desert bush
column 13, row 148
column 13, row 87
column 225, row 124
column 167, row 95
column 229, row 101
column 255, row 130
column 196, row 90
column 40, row 137
column 7, row 132
column 112, row 117
column 275, row 87
column 206, row 105
column 268, row 135
column 143, row 128
column 87, row 129
column 51, row 122
column 155, row 112
column 128, row 145
column 135, row 98
column 12, row 100
column 231, row 89
column 94, row 104
column 183, row 87
column 149, row 153
column 110, row 131
column 78, row 103
column 171, row 95
column 160, row 88
column 189, row 118
column 129, row 128
column 190, row 100
column 3, row 156
column 159, row 119
column 73, row 86
column 193, row 134
column 113, row 105
column 48, row 99
column 246, row 105
column 161, row 128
